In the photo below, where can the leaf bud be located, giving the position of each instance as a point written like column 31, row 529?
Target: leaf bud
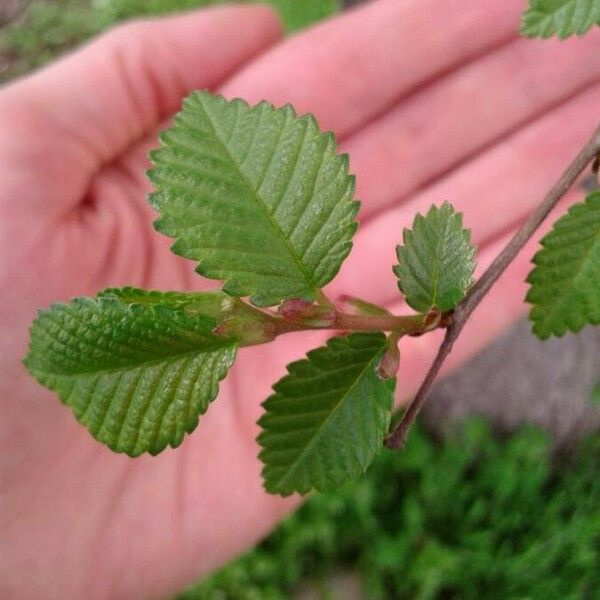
column 307, row 313
column 248, row 330
column 390, row 361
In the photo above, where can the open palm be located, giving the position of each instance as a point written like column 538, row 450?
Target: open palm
column 431, row 101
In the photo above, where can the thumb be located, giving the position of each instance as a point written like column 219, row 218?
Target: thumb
column 62, row 123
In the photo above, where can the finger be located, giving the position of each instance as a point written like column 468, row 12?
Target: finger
column 504, row 304
column 494, row 191
column 464, row 112
column 349, row 69
column 86, row 109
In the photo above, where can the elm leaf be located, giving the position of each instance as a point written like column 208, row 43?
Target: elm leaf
column 137, row 368
column 256, row 195
column 565, row 282
column 328, row 416
column 436, row 263
column 563, row 18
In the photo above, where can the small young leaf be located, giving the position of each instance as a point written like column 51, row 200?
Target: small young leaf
column 137, row 368
column 436, row 262
column 328, row 416
column 544, row 18
column 257, row 195
column 565, row 283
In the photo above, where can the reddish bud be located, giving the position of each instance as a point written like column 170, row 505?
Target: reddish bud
column 307, row 313
column 295, row 309
column 389, row 363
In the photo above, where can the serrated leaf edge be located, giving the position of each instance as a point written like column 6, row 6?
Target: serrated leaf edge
column 288, row 491
column 258, row 299
column 49, row 380
column 532, row 18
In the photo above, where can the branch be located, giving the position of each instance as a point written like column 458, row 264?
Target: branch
column 298, row 315
column 476, row 294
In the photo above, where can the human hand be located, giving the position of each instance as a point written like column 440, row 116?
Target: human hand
column 430, row 101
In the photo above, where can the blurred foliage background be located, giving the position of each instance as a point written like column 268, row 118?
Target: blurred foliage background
column 471, row 516
column 39, row 30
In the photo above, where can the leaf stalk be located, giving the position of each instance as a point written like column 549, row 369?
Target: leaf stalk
column 398, row 325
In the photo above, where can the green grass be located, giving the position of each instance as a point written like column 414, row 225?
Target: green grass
column 45, row 30
column 295, row 14
column 50, row 27
column 472, row 518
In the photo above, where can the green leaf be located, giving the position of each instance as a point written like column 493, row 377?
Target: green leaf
column 137, row 368
column 565, row 283
column 563, row 18
column 436, row 263
column 257, row 195
column 328, row 416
